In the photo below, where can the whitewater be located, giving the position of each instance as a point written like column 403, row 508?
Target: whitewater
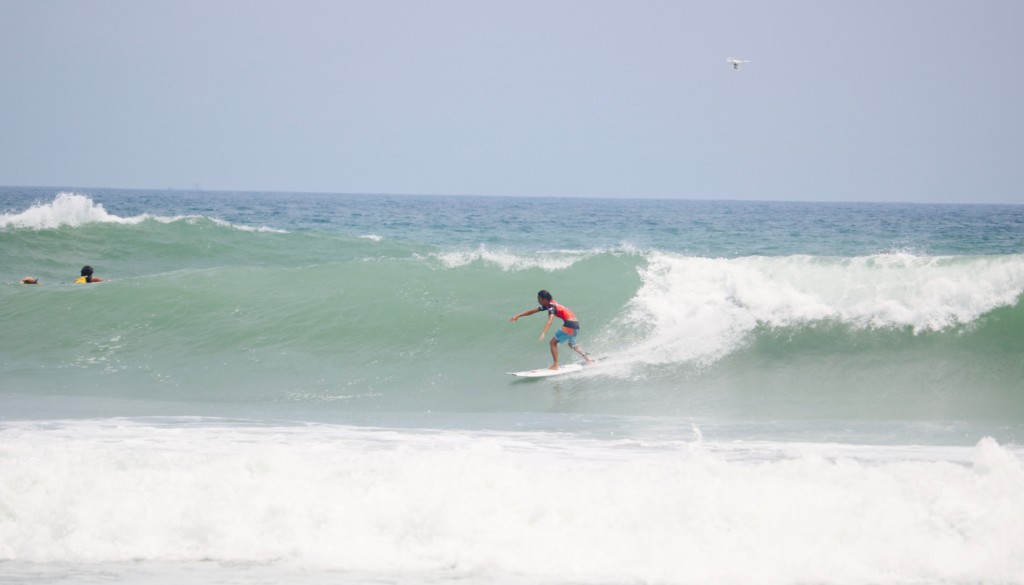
column 312, row 388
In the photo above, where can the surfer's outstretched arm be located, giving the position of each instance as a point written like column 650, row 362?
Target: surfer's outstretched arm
column 524, row 313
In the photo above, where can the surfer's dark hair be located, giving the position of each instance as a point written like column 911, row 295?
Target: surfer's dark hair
column 87, row 270
column 544, row 295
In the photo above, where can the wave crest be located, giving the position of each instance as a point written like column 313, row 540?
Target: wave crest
column 691, row 308
column 518, row 260
column 67, row 209
column 510, row 261
column 76, row 210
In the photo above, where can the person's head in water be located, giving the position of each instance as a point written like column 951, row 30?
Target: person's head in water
column 544, row 298
column 87, row 276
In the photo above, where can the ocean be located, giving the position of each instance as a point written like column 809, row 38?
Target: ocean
column 313, row 388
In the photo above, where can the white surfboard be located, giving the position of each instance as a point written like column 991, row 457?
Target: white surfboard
column 544, row 372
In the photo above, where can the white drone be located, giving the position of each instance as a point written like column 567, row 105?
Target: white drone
column 735, row 62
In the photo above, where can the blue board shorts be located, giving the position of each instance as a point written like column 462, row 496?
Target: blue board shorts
column 561, row 336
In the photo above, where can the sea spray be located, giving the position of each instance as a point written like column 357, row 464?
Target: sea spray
column 489, row 504
column 702, row 309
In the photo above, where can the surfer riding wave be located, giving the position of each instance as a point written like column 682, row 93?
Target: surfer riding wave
column 568, row 332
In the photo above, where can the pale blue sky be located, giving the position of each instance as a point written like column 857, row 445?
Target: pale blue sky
column 868, row 100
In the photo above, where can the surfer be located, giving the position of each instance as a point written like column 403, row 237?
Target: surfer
column 30, row 280
column 87, row 276
column 568, row 332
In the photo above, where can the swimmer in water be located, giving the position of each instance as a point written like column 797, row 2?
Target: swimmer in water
column 87, row 276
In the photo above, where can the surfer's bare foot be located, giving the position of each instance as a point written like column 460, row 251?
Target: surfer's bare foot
column 554, row 367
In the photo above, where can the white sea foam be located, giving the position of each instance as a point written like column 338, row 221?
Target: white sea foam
column 700, row 309
column 510, row 261
column 220, row 222
column 75, row 210
column 542, row 507
column 67, row 209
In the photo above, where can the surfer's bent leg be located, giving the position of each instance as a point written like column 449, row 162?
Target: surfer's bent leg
column 571, row 338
